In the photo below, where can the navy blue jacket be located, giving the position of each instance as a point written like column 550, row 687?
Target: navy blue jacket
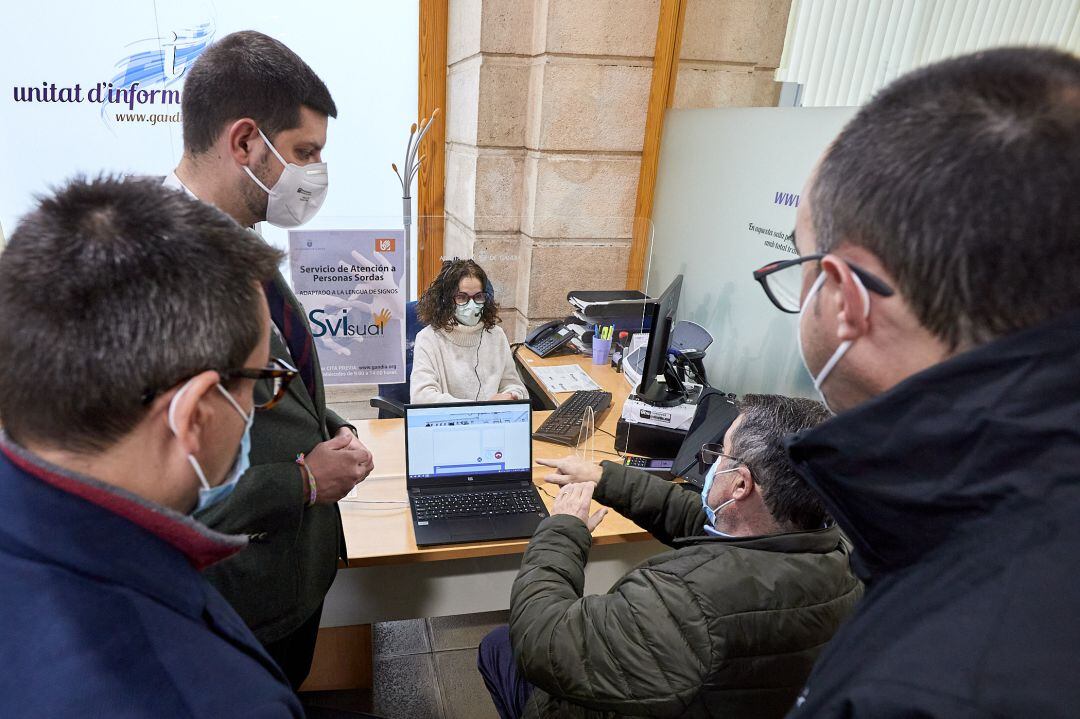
column 960, row 489
column 103, row 612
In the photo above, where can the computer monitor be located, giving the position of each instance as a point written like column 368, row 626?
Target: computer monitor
column 660, row 383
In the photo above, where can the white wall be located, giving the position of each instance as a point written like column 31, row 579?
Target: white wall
column 365, row 51
column 721, row 171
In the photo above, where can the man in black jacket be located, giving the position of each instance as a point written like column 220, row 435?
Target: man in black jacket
column 728, row 623
column 940, row 296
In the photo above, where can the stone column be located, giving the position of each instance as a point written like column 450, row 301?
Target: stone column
column 546, row 105
column 730, row 52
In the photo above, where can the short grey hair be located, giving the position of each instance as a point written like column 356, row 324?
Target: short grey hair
column 758, row 441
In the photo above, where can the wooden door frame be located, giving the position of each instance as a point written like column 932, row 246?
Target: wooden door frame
column 669, row 32
column 431, row 183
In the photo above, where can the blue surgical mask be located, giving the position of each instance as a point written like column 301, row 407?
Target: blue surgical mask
column 709, row 477
column 209, row 496
column 468, row 314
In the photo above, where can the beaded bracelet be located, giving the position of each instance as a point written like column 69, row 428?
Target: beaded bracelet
column 306, row 470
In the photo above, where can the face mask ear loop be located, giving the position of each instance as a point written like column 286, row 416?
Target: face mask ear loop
column 236, row 405
column 172, row 425
column 251, row 174
column 726, row 502
column 172, row 407
column 846, row 344
column 272, row 148
column 865, row 296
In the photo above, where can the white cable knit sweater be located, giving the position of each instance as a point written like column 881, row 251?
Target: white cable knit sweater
column 463, row 365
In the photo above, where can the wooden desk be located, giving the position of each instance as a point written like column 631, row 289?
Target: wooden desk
column 389, row 578
column 603, row 375
column 383, row 534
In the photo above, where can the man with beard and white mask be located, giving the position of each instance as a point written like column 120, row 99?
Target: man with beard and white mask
column 127, row 375
column 939, row 288
column 728, row 623
column 254, row 122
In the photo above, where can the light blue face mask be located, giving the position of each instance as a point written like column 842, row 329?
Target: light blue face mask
column 709, row 511
column 468, row 314
column 208, row 495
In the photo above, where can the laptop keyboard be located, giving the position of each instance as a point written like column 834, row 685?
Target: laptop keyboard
column 472, row 504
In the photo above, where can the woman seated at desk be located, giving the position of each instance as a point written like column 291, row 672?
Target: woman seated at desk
column 462, row 355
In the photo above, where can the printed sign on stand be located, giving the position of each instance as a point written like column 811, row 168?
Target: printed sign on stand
column 352, row 286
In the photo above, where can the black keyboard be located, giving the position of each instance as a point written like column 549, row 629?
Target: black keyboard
column 564, row 424
column 472, row 504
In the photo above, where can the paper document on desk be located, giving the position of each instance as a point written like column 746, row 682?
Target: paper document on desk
column 565, row 378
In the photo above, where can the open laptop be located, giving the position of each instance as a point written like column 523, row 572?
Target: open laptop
column 469, row 471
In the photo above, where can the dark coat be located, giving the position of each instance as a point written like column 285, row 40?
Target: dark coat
column 718, row 627
column 281, row 579
column 960, row 489
column 103, row 612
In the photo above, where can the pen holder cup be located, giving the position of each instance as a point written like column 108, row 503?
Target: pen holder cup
column 600, row 350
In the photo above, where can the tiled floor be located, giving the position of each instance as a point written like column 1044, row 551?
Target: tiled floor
column 423, row 669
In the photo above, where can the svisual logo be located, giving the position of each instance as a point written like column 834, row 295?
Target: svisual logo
column 385, row 244
column 322, row 326
column 787, row 199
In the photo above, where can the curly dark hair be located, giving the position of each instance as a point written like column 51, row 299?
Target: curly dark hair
column 436, row 306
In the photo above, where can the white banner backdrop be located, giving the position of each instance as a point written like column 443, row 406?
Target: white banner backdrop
column 92, row 88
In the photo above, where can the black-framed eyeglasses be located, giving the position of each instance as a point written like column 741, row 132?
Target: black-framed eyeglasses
column 462, row 298
column 274, row 382
column 782, row 282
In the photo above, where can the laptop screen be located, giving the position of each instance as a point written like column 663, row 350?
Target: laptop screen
column 468, row 441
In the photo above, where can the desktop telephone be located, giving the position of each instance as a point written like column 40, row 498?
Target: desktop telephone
column 548, row 338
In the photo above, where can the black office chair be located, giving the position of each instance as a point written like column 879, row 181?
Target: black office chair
column 392, row 398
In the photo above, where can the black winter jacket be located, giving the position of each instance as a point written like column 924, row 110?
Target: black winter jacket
column 960, row 489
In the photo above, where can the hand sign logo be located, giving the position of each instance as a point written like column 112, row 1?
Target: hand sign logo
column 384, row 244
column 381, row 319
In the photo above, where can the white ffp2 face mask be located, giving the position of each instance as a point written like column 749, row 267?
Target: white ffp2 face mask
column 298, row 193
column 468, row 314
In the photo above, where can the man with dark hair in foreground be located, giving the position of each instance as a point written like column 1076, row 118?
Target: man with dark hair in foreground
column 255, row 122
column 133, row 328
column 940, row 295
column 726, row 624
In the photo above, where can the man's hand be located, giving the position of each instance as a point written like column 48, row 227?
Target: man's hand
column 339, row 464
column 502, row 395
column 574, row 499
column 572, row 469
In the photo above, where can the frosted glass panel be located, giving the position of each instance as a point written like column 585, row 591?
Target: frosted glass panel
column 728, row 185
